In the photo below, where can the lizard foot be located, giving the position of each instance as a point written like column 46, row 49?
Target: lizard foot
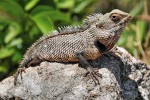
column 19, row 72
column 93, row 72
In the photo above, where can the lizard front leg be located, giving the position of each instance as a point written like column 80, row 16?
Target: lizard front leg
column 90, row 70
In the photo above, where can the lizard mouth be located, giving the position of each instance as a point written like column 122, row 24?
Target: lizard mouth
column 124, row 21
column 120, row 26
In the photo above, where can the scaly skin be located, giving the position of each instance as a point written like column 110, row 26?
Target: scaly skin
column 98, row 34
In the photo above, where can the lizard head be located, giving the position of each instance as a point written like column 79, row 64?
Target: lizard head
column 114, row 21
column 109, row 27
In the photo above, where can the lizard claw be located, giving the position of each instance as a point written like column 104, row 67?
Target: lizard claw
column 93, row 74
column 19, row 72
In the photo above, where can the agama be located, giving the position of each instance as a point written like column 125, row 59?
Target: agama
column 97, row 35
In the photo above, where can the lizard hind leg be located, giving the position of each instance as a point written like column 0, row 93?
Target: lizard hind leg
column 26, row 63
column 94, row 75
column 21, row 69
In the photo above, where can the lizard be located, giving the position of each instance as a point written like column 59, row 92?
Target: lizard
column 96, row 35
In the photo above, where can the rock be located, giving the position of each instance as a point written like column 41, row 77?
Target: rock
column 123, row 78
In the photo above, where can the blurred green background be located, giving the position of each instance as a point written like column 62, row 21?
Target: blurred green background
column 24, row 21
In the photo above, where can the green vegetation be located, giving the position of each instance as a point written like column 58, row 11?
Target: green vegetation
column 24, row 21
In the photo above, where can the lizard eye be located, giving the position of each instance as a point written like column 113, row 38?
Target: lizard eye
column 115, row 17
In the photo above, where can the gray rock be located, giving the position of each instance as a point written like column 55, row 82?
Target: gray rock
column 123, row 78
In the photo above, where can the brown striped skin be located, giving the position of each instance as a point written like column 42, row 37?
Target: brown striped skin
column 63, row 46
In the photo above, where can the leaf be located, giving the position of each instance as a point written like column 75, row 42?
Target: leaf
column 52, row 13
column 137, row 9
column 7, row 10
column 31, row 4
column 3, row 69
column 6, row 52
column 141, row 28
column 81, row 6
column 40, row 9
column 13, row 30
column 17, row 57
column 64, row 4
column 34, row 31
column 44, row 23
column 16, row 42
column 44, row 17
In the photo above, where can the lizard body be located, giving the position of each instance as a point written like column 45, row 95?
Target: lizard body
column 98, row 34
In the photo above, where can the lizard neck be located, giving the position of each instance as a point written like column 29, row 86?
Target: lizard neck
column 112, row 41
column 107, row 39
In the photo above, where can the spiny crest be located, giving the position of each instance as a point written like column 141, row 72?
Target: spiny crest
column 92, row 18
column 31, row 48
column 69, row 29
column 62, row 31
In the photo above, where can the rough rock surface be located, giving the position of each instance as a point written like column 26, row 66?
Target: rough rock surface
column 123, row 78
